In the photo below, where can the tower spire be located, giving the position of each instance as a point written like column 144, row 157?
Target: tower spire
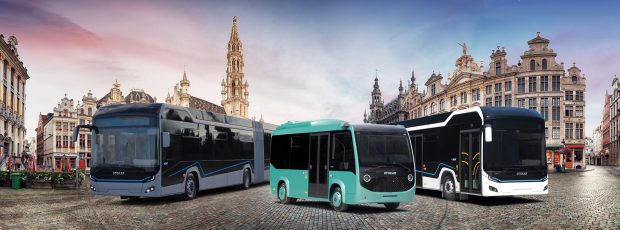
column 235, row 89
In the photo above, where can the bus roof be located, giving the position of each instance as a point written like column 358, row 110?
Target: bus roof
column 134, row 108
column 312, row 126
column 488, row 113
column 154, row 109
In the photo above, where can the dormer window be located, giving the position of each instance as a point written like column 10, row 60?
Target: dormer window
column 498, row 68
column 544, row 64
column 433, row 90
column 532, row 65
column 574, row 79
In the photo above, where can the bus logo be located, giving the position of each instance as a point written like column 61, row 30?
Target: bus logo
column 521, row 173
column 118, row 173
column 389, row 173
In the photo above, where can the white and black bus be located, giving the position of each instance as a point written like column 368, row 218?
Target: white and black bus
column 155, row 150
column 482, row 151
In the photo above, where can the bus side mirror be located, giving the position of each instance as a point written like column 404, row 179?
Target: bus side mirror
column 165, row 139
column 488, row 134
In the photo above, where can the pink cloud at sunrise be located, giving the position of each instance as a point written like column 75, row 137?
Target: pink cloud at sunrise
column 302, row 60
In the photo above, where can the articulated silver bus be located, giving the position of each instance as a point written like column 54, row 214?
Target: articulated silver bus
column 155, row 150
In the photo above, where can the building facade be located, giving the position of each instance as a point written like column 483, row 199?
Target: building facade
column 604, row 129
column 180, row 96
column 614, row 123
column 536, row 82
column 12, row 105
column 115, row 96
column 235, row 88
column 59, row 150
column 55, row 148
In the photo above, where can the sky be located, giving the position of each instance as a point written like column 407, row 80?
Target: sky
column 303, row 59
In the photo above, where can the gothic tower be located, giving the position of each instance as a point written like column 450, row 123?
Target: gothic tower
column 235, row 89
column 376, row 105
column 184, row 94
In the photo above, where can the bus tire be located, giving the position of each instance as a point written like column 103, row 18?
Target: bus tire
column 392, row 206
column 247, row 179
column 190, row 187
column 448, row 188
column 336, row 200
column 283, row 194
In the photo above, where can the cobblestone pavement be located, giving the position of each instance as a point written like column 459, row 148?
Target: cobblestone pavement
column 578, row 200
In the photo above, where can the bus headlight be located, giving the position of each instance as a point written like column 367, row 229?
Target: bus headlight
column 366, row 178
column 410, row 177
column 152, row 188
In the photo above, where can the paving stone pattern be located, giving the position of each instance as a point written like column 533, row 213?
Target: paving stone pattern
column 578, row 200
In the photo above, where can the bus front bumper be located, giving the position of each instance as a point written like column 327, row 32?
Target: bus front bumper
column 366, row 196
column 516, row 189
column 147, row 189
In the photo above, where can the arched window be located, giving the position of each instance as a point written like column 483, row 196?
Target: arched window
column 544, row 64
column 425, row 110
column 442, row 105
column 574, row 79
column 432, row 107
column 90, row 111
column 498, row 68
column 532, row 65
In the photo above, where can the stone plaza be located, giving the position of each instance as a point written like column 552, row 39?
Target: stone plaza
column 582, row 199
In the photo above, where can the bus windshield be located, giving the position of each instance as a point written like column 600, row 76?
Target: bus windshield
column 379, row 149
column 123, row 143
column 516, row 145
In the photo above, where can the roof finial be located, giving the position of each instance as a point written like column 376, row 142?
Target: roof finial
column 235, row 19
column 538, row 34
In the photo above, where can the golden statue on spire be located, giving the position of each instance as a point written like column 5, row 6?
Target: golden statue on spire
column 464, row 46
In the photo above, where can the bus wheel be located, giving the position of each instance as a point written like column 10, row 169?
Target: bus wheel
column 190, row 187
column 247, row 180
column 336, row 200
column 391, row 206
column 282, row 194
column 448, row 188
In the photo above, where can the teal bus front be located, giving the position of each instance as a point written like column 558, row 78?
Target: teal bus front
column 367, row 163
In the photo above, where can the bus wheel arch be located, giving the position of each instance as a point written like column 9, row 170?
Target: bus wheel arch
column 190, row 181
column 448, row 186
column 336, row 198
column 196, row 180
column 246, row 180
column 282, row 193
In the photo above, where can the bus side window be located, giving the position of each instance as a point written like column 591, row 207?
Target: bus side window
column 176, row 140
column 342, row 158
column 205, row 145
column 219, row 147
column 298, row 151
column 280, row 146
column 416, row 141
column 430, row 151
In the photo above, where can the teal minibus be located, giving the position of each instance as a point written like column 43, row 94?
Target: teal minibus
column 340, row 163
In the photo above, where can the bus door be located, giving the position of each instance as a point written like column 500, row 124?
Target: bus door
column 469, row 161
column 416, row 143
column 317, row 165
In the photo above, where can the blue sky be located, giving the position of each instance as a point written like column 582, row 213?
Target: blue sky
column 304, row 60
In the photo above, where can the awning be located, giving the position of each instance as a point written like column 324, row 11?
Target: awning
column 574, row 146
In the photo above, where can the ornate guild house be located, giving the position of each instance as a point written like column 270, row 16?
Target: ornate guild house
column 536, row 82
column 12, row 106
